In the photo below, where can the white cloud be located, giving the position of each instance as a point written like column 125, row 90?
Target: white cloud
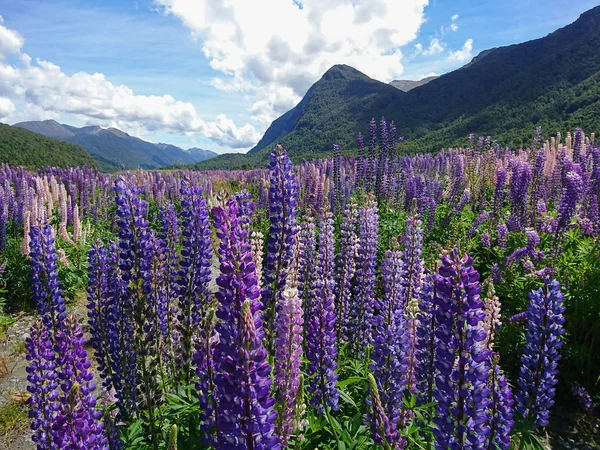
column 281, row 58
column 45, row 91
column 10, row 41
column 454, row 27
column 464, row 54
column 7, row 108
column 455, row 17
column 435, row 47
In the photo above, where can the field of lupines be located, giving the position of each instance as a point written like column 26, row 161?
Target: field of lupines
column 379, row 301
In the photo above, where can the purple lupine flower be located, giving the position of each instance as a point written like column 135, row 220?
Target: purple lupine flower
column 537, row 375
column 486, row 240
column 499, row 193
column 100, row 312
column 372, row 155
column 500, row 408
column 414, row 274
column 167, row 311
column 337, row 187
column 383, row 149
column 519, row 187
column 44, row 278
column 383, row 431
column 283, row 194
column 288, row 357
column 321, row 350
column 533, row 240
column 502, row 232
column 194, row 272
column 460, row 387
column 78, row 424
column 346, row 267
column 388, row 360
column 361, row 161
column 496, row 273
column 43, row 385
column 361, row 309
column 518, row 317
column 571, row 195
column 307, row 254
column 245, row 416
column 480, row 219
column 583, row 397
column 426, row 340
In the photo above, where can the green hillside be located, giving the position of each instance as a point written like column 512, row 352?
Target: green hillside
column 20, row 147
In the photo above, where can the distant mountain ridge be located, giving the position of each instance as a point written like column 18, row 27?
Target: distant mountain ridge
column 505, row 92
column 20, row 147
column 407, row 85
column 114, row 149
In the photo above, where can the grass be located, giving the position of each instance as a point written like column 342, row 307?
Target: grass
column 13, row 421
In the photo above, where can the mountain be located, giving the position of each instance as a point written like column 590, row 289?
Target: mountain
column 407, row 85
column 115, row 149
column 505, row 92
column 21, row 147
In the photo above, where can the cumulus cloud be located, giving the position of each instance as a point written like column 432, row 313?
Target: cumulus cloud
column 435, row 47
column 46, row 91
column 10, row 41
column 7, row 108
column 464, row 54
column 455, row 17
column 279, row 59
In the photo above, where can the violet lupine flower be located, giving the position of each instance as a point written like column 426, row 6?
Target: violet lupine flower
column 321, row 350
column 372, row 155
column 245, row 416
column 388, row 360
column 413, row 283
column 78, row 424
column 519, row 186
column 361, row 160
column 337, row 187
column 44, row 278
column 502, row 232
column 361, row 309
column 571, row 195
column 578, row 144
column 499, row 192
column 101, row 316
column 496, row 273
column 288, row 357
column 464, row 199
column 500, row 409
column 583, row 397
column 346, row 267
column 43, row 385
column 537, row 375
column 283, row 194
column 308, row 257
column 461, row 388
column 194, row 272
column 383, row 431
column 426, row 340
column 383, row 148
column 486, row 240
column 170, row 236
column 533, row 240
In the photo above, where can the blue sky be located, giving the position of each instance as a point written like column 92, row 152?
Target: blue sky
column 194, row 73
